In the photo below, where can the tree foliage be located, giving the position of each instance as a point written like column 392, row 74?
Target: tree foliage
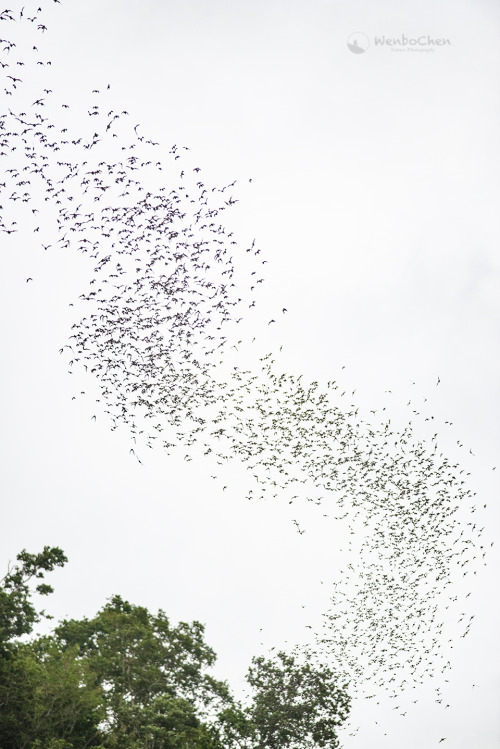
column 295, row 705
column 152, row 675
column 130, row 679
column 17, row 612
column 48, row 699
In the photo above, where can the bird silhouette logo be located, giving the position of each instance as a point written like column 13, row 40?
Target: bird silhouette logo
column 358, row 43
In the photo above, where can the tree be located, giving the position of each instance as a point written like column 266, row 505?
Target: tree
column 152, row 676
column 167, row 722
column 295, row 706
column 129, row 679
column 17, row 613
column 48, row 699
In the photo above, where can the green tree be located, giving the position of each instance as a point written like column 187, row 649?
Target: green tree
column 48, row 699
column 47, row 694
column 152, row 676
column 17, row 612
column 295, row 705
column 129, row 679
column 167, row 722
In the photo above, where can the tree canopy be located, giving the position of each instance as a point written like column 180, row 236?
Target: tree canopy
column 296, row 705
column 130, row 679
column 17, row 612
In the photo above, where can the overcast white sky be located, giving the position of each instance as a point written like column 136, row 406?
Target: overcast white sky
column 374, row 196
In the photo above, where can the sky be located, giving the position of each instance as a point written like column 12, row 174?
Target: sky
column 370, row 181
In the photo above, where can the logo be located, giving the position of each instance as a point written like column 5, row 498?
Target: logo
column 423, row 43
column 358, row 42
